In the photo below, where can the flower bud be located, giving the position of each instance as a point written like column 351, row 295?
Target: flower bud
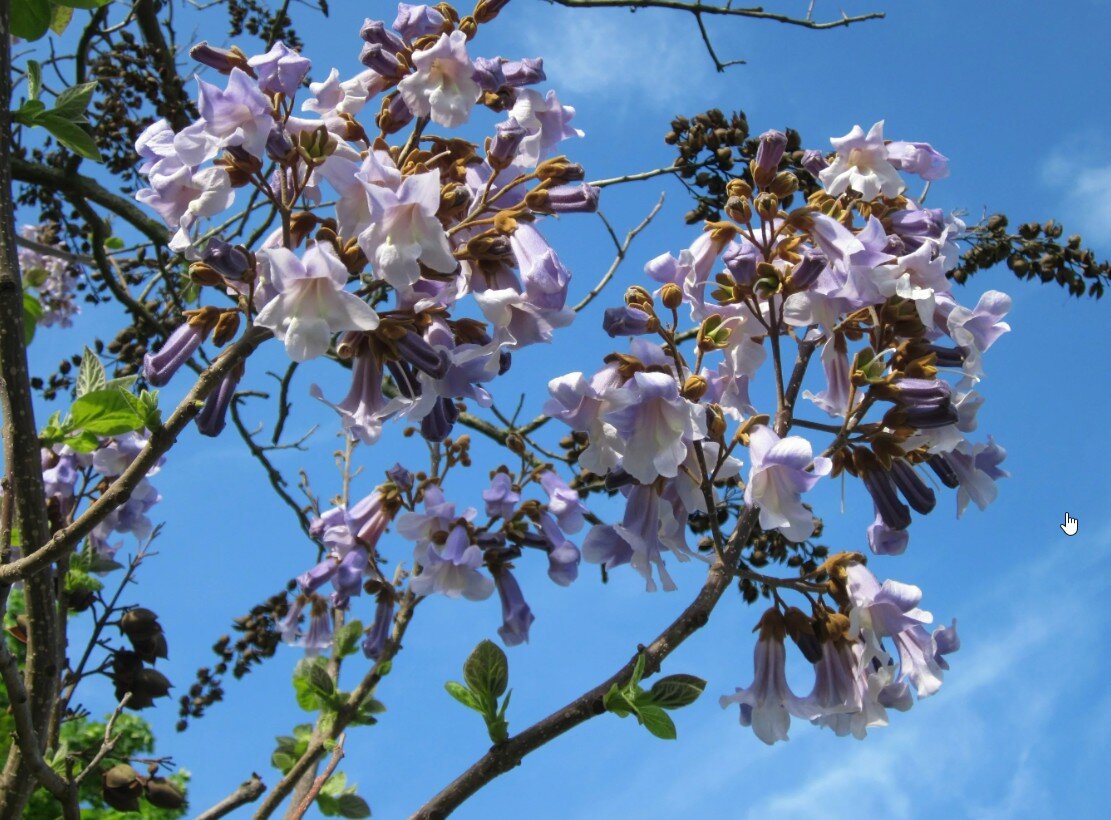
column 564, row 199
column 767, row 206
column 382, row 61
column 229, row 261
column 221, row 59
column 487, row 10
column 226, row 328
column 769, row 152
column 806, row 271
column 501, row 150
column 813, row 161
column 559, row 170
column 375, row 32
column 715, row 422
column 213, row 415
column 784, row 184
column 628, row 321
column 279, row 147
column 671, row 295
column 738, row 209
column 694, row 388
column 394, row 114
column 527, row 71
column 738, row 187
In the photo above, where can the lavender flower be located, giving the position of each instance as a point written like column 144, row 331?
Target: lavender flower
column 516, row 615
column 781, row 470
column 379, row 631
column 862, row 164
column 213, row 415
column 919, row 158
column 442, row 86
column 280, row 70
column 501, row 499
column 452, row 570
column 160, row 367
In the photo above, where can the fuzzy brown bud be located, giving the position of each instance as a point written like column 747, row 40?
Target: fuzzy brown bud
column 767, row 206
column 671, row 295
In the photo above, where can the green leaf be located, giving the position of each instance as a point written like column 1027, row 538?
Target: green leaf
column 124, row 383
column 32, row 312
column 29, row 113
column 657, row 721
column 114, row 243
column 385, row 668
column 84, row 442
column 34, row 79
column 321, row 681
column 347, row 638
column 462, row 694
column 487, row 671
column 351, row 805
column 73, row 101
column 638, row 670
column 676, row 691
column 71, row 135
column 106, row 413
column 616, row 702
column 334, row 785
column 30, row 18
column 282, row 762
column 90, row 374
column 59, row 20
column 308, row 695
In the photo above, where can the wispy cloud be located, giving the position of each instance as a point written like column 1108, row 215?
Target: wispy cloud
column 635, row 60
column 1079, row 171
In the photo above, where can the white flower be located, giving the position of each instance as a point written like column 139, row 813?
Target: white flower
column 779, row 476
column 405, row 232
column 442, row 85
column 862, row 164
column 311, row 303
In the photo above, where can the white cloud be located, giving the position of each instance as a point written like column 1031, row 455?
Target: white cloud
column 1085, row 187
column 638, row 59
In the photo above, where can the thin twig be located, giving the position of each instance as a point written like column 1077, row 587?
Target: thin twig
column 248, row 792
column 622, row 250
column 318, row 783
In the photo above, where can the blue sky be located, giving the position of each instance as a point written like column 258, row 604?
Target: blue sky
column 1013, row 97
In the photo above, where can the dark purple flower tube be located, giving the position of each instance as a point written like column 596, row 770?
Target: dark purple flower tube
column 221, row 59
column 404, row 378
column 375, row 32
column 159, row 368
column 920, row 497
column 573, row 199
column 214, row 413
column 627, row 321
column 381, row 60
column 806, row 271
column 948, row 356
column 515, row 612
column 414, row 22
column 931, row 416
column 226, row 259
column 618, row 478
column 398, row 112
column 421, row 355
column 278, row 145
column 769, row 153
column 527, row 71
column 892, row 511
column 922, row 392
column 379, row 631
column 402, row 478
column 436, row 426
column 505, row 361
column 506, row 141
column 944, row 470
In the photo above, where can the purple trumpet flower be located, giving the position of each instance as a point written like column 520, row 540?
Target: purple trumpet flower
column 944, row 470
column 221, row 59
column 515, row 612
column 563, row 556
column 280, row 70
column 398, row 113
column 930, row 417
column 883, row 540
column 501, row 500
column 814, row 162
column 379, row 631
column 376, row 33
column 278, row 145
column 348, row 576
column 414, row 22
column 214, row 414
column 364, row 408
column 319, row 635
column 318, row 576
column 488, row 73
column 526, row 71
column 922, row 391
column 946, row 641
column 401, row 477
column 920, row 497
column 627, row 320
column 503, row 147
column 563, row 502
column 892, row 511
column 422, row 356
column 159, row 368
column 948, row 356
column 436, row 426
column 741, row 258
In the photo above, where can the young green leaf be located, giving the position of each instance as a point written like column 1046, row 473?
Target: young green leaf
column 71, row 135
column 106, row 413
column 34, row 79
column 487, row 670
column 90, row 375
column 462, row 694
column 59, row 20
column 347, row 638
column 73, row 101
column 676, row 691
column 638, row 670
column 657, row 721
column 32, row 312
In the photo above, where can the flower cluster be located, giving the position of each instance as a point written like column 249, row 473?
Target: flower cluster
column 458, row 554
column 70, row 476
column 859, row 272
column 416, row 225
column 50, row 274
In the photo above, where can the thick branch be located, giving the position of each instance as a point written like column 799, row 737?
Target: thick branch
column 248, row 792
column 82, row 186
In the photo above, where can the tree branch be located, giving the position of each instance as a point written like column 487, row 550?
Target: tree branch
column 248, row 792
column 622, row 250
